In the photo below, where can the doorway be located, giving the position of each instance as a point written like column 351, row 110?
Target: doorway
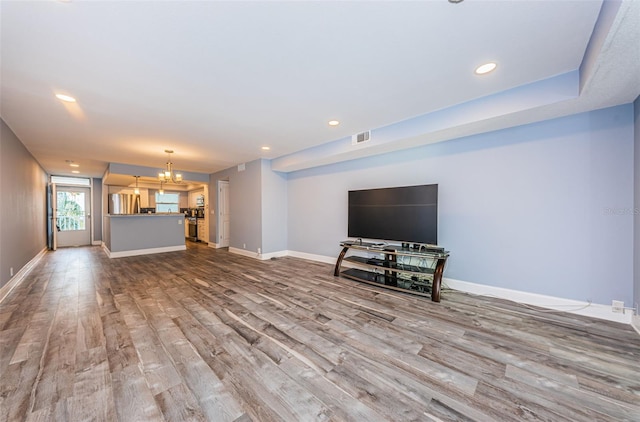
column 224, row 216
column 72, row 216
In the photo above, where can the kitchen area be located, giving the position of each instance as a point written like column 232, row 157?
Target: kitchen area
column 196, row 227
column 145, row 216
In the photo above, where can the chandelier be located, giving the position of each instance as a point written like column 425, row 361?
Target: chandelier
column 136, row 190
column 168, row 174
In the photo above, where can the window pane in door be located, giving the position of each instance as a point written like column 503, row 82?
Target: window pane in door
column 71, row 212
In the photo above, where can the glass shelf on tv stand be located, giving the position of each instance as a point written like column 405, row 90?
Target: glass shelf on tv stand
column 412, row 270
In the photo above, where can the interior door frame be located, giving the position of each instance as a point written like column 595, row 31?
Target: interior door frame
column 220, row 208
column 54, row 205
column 54, row 219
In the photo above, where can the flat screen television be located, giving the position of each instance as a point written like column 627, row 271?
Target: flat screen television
column 401, row 214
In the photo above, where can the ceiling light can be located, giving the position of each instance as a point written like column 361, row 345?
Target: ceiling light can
column 485, row 68
column 65, row 98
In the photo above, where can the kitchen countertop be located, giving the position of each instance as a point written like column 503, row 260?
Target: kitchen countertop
column 157, row 214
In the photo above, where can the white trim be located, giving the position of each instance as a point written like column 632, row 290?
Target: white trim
column 244, row 252
column 593, row 310
column 20, row 275
column 214, row 245
column 255, row 255
column 267, row 256
column 137, row 252
column 313, row 257
column 96, row 243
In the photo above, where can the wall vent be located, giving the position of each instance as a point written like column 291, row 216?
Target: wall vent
column 361, row 138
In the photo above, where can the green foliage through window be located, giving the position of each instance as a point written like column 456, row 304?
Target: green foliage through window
column 71, row 213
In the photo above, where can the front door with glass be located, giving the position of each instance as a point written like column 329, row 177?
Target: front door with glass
column 73, row 216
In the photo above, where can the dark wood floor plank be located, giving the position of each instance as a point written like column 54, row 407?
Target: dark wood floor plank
column 203, row 334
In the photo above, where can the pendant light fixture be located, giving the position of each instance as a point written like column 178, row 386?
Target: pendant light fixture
column 168, row 175
column 136, row 190
column 161, row 191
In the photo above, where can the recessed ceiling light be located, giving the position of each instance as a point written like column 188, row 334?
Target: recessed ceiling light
column 333, row 123
column 74, row 165
column 266, row 148
column 75, row 171
column 65, row 98
column 485, row 68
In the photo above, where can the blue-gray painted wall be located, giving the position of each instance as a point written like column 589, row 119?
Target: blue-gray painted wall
column 258, row 207
column 245, row 193
column 135, row 232
column 274, row 209
column 23, row 206
column 535, row 208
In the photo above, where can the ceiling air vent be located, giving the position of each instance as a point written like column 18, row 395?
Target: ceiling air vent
column 361, row 137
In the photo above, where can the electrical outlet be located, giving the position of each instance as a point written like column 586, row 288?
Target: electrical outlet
column 11, row 272
column 617, row 306
column 259, row 251
column 244, row 246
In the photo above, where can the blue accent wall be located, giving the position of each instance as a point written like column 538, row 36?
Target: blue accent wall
column 538, row 208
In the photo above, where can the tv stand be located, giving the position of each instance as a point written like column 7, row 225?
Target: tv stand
column 416, row 271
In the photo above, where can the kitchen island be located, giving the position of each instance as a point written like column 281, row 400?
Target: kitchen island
column 142, row 234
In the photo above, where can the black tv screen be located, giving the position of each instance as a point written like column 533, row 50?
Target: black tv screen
column 402, row 214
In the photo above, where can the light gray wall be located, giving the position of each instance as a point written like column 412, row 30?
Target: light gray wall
column 274, row 209
column 636, row 209
column 532, row 208
column 244, row 205
column 23, row 212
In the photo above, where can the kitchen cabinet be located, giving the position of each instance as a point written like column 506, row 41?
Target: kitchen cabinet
column 203, row 233
column 196, row 198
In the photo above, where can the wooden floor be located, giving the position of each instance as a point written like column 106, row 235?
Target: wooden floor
column 207, row 335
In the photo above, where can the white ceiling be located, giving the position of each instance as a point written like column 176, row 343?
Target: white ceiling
column 216, row 81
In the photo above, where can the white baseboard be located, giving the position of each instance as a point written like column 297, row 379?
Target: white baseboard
column 217, row 245
column 243, row 252
column 280, row 254
column 313, row 257
column 20, row 275
column 137, row 252
column 550, row 302
column 96, row 243
column 261, row 257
